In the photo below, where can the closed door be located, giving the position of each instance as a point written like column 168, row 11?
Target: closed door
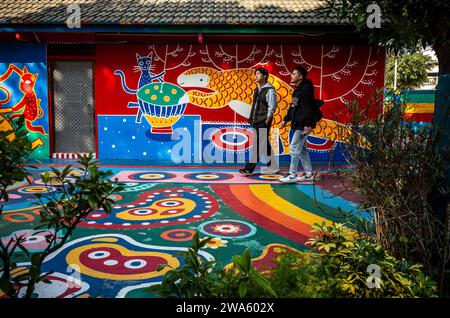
column 73, row 106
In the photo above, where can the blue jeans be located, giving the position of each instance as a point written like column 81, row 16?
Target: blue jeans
column 299, row 150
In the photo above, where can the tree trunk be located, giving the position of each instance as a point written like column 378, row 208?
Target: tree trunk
column 442, row 122
column 443, row 55
column 440, row 37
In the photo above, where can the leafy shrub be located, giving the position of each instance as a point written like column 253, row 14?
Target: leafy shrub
column 339, row 266
column 15, row 148
column 297, row 275
column 401, row 179
column 199, row 278
column 66, row 204
column 14, row 151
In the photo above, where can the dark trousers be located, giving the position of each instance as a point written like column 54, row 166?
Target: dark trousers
column 257, row 151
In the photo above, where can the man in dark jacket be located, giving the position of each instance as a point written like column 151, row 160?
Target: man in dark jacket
column 261, row 115
column 301, row 114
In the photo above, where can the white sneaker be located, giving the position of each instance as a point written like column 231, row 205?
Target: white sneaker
column 291, row 178
column 269, row 170
column 306, row 177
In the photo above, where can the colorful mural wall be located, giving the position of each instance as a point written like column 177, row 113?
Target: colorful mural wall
column 419, row 106
column 149, row 98
column 23, row 90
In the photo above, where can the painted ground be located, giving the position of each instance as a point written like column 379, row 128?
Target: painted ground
column 117, row 255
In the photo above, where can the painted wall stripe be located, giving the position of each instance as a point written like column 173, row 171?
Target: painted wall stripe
column 427, row 117
column 67, row 155
column 416, row 97
column 419, row 108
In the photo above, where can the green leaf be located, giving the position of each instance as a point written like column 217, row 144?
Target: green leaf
column 36, row 259
column 204, row 242
column 195, row 241
column 243, row 288
column 263, row 283
column 5, row 285
column 23, row 248
column 107, row 207
column 239, row 263
column 246, row 260
column 35, row 272
column 163, row 266
column 92, row 202
column 155, row 288
column 46, row 281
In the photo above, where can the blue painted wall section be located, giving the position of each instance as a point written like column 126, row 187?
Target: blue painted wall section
column 23, row 90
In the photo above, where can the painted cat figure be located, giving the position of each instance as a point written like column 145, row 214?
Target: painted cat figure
column 144, row 66
column 29, row 102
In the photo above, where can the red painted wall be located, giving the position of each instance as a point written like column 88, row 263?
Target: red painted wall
column 340, row 73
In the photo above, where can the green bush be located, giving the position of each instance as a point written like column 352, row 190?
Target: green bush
column 401, row 180
column 66, row 204
column 297, row 275
column 199, row 278
column 14, row 151
column 339, row 266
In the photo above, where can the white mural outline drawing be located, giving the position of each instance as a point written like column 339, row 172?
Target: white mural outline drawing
column 265, row 60
column 332, row 53
column 251, row 57
column 208, row 59
column 344, row 69
column 281, row 63
column 302, row 61
column 226, row 58
column 174, row 53
column 353, row 90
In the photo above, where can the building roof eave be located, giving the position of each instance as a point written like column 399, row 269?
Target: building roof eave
column 184, row 29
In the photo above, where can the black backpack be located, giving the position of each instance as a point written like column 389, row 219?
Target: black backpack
column 317, row 114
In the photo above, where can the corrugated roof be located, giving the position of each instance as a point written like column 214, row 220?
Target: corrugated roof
column 165, row 12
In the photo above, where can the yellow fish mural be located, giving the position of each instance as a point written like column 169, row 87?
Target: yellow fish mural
column 234, row 88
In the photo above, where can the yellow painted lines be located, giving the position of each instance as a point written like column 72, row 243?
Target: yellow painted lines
column 265, row 193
